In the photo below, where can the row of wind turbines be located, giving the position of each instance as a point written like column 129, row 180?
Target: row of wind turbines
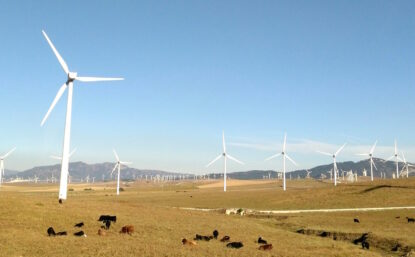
column 68, row 84
column 285, row 156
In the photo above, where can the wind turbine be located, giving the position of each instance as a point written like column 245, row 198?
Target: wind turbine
column 225, row 157
column 397, row 159
column 2, row 163
column 71, row 77
column 406, row 165
column 372, row 163
column 284, row 155
column 118, row 165
column 334, row 161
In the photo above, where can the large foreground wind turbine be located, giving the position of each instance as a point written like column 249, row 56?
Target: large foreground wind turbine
column 372, row 163
column 71, row 77
column 397, row 159
column 118, row 165
column 334, row 161
column 225, row 156
column 2, row 163
column 284, row 155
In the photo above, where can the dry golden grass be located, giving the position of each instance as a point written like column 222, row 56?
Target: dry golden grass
column 28, row 210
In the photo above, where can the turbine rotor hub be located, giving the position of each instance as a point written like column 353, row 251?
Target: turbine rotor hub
column 72, row 76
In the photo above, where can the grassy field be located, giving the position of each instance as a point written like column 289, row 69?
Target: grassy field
column 27, row 210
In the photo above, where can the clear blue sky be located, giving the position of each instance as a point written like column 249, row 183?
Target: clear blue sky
column 327, row 72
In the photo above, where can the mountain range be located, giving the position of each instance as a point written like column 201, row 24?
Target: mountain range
column 101, row 171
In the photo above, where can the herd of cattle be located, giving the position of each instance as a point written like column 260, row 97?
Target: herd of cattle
column 105, row 219
column 226, row 239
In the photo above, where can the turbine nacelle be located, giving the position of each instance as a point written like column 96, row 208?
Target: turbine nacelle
column 72, row 76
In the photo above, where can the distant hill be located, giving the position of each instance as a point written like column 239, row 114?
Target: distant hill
column 388, row 167
column 80, row 170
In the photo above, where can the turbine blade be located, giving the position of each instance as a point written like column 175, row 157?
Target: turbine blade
column 362, row 154
column 341, row 148
column 234, row 159
column 57, row 97
column 403, row 156
column 55, row 157
column 71, row 153
column 374, row 165
column 95, row 79
column 272, row 157
column 390, row 158
column 223, row 141
column 115, row 167
column 396, row 147
column 116, row 155
column 214, row 160
column 8, row 153
column 373, row 147
column 325, row 153
column 291, row 160
column 126, row 163
column 285, row 142
column 60, row 59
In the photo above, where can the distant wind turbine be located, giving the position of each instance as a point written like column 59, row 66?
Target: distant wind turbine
column 334, row 155
column 406, row 165
column 284, row 155
column 372, row 163
column 71, row 77
column 2, row 163
column 397, row 159
column 118, row 165
column 225, row 157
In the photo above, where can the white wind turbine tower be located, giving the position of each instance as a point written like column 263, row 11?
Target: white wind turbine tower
column 71, row 77
column 372, row 163
column 118, row 165
column 2, row 163
column 225, row 157
column 406, row 165
column 334, row 155
column 284, row 155
column 397, row 159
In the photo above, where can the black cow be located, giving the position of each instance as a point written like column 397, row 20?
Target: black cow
column 62, row 233
column 104, row 218
column 80, row 233
column 365, row 245
column 107, row 224
column 236, row 245
column 356, row 220
column 215, row 234
column 79, row 225
column 361, row 239
column 200, row 237
column 51, row 232
column 410, row 220
column 262, row 241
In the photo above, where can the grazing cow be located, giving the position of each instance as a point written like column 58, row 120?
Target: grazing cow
column 397, row 217
column 128, row 229
column 410, row 220
column 62, row 233
column 365, row 245
column 200, row 237
column 236, row 245
column 356, row 220
column 188, row 242
column 101, row 232
column 266, row 247
column 104, row 218
column 51, row 232
column 60, row 201
column 262, row 241
column 79, row 225
column 361, row 239
column 225, row 239
column 80, row 233
column 215, row 234
column 107, row 224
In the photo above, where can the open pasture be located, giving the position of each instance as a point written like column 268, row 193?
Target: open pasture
column 29, row 209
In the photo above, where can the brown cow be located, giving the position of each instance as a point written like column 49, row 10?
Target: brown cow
column 266, row 247
column 128, row 229
column 101, row 232
column 225, row 239
column 188, row 242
